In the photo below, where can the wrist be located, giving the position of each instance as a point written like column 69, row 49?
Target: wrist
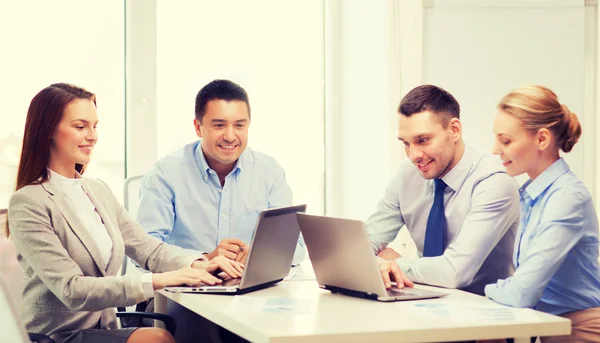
column 158, row 281
column 199, row 264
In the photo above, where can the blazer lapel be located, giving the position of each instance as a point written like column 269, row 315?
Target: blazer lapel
column 76, row 225
column 117, row 252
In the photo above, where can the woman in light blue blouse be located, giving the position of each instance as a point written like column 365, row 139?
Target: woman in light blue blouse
column 556, row 248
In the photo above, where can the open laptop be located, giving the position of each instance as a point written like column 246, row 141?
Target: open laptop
column 342, row 257
column 270, row 257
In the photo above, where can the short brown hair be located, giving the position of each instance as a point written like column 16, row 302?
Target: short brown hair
column 538, row 108
column 219, row 90
column 430, row 98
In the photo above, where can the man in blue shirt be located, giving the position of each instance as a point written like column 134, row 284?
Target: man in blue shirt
column 207, row 195
column 459, row 205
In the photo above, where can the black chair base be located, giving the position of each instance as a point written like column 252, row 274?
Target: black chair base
column 39, row 338
column 138, row 316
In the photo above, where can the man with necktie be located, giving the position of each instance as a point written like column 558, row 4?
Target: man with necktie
column 459, row 206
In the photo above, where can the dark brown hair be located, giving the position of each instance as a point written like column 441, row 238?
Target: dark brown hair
column 219, row 90
column 538, row 108
column 430, row 98
column 45, row 112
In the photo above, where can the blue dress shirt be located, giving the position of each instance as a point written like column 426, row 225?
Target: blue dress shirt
column 481, row 203
column 182, row 201
column 556, row 250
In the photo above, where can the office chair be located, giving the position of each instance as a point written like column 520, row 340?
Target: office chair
column 12, row 328
column 131, row 203
column 131, row 200
column 136, row 319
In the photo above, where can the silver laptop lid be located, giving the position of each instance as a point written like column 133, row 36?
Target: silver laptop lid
column 341, row 254
column 273, row 245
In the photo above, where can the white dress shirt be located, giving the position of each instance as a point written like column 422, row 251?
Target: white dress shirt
column 73, row 191
column 481, row 205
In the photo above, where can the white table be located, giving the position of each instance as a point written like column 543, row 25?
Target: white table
column 326, row 317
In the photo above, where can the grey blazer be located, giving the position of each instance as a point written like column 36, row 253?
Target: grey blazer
column 68, row 287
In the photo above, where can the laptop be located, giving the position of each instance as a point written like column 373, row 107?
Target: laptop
column 269, row 259
column 342, row 258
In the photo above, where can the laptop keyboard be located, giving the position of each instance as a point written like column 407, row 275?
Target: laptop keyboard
column 227, row 280
column 397, row 291
column 405, row 291
column 231, row 282
column 408, row 291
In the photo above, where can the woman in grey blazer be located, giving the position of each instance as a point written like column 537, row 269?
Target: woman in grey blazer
column 72, row 234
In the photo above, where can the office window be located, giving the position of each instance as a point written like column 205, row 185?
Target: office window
column 78, row 42
column 274, row 49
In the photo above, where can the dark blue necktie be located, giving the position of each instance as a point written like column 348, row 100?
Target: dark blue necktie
column 436, row 223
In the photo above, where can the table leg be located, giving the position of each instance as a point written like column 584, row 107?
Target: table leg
column 522, row 339
column 160, row 306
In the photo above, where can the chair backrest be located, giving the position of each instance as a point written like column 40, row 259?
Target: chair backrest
column 11, row 326
column 131, row 202
column 131, row 194
column 10, row 269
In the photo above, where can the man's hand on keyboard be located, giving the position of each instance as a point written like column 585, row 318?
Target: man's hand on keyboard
column 390, row 271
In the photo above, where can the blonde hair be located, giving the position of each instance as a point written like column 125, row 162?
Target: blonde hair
column 538, row 108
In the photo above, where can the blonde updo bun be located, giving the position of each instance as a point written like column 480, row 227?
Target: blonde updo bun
column 538, row 108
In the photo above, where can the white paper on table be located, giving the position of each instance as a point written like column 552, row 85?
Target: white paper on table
column 466, row 311
column 244, row 304
column 291, row 274
column 301, row 273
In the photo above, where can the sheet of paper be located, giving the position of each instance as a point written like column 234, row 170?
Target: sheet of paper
column 247, row 304
column 301, row 272
column 292, row 273
column 461, row 311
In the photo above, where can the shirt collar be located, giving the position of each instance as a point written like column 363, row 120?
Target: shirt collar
column 457, row 175
column 63, row 180
column 205, row 169
column 534, row 188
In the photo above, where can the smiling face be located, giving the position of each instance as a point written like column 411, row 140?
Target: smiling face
column 430, row 146
column 224, row 133
column 74, row 137
column 516, row 146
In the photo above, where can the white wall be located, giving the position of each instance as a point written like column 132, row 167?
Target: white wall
column 362, row 80
column 477, row 49
column 47, row 42
column 481, row 50
column 140, row 63
column 277, row 58
column 373, row 56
